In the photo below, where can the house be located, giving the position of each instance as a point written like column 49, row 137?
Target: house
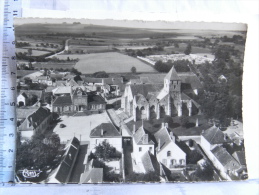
column 213, row 137
column 35, row 122
column 167, row 151
column 106, row 132
column 224, row 162
column 44, row 80
column 77, row 99
column 147, row 101
column 62, row 173
column 25, row 96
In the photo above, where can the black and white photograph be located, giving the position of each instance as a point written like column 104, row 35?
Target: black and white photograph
column 107, row 101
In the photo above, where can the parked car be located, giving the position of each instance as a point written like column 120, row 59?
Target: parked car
column 62, row 125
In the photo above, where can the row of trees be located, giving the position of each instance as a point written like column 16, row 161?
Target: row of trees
column 180, row 66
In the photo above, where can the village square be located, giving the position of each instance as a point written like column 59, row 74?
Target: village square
column 94, row 109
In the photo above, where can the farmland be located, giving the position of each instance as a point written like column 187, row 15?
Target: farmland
column 53, row 65
column 110, row 62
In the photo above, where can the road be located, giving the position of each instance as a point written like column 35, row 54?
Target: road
column 66, row 46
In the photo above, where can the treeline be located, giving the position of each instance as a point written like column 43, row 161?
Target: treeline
column 237, row 39
column 22, row 44
column 144, row 52
column 179, row 65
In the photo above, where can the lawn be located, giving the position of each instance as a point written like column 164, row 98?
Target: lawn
column 110, row 62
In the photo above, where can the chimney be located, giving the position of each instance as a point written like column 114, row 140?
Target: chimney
column 172, row 136
column 197, row 122
column 166, row 125
column 101, row 132
column 162, row 125
column 134, row 128
column 158, row 144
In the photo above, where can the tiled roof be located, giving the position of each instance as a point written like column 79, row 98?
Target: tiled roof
column 60, row 83
column 172, row 75
column 163, row 136
column 95, row 99
column 35, row 119
column 240, row 157
column 95, row 175
column 25, row 111
column 144, row 89
column 62, row 101
column 186, row 97
column 191, row 78
column 147, row 162
column 214, row 136
column 105, row 130
column 141, row 100
column 141, row 137
column 29, row 93
column 62, row 172
column 62, row 90
column 225, row 158
column 57, row 76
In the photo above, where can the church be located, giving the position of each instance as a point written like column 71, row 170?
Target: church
column 146, row 101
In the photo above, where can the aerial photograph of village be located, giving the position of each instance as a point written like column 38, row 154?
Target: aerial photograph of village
column 121, row 104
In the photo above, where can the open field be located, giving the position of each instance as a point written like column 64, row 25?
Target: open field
column 110, row 62
column 53, row 65
column 34, row 52
column 89, row 49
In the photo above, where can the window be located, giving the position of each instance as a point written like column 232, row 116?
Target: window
column 164, row 161
column 150, row 149
column 168, row 153
column 182, row 161
column 140, row 149
column 96, row 141
column 173, row 161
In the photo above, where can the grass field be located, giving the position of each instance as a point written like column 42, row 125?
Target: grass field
column 111, row 62
column 34, row 52
column 49, row 65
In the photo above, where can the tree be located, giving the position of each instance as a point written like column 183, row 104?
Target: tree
column 100, row 74
column 27, row 80
column 133, row 69
column 104, row 151
column 29, row 51
column 203, row 173
column 176, row 45
column 188, row 49
column 140, row 177
column 36, row 153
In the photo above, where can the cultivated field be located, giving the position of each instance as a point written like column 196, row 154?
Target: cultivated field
column 110, row 62
column 53, row 65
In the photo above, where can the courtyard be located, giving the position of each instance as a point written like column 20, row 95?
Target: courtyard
column 79, row 126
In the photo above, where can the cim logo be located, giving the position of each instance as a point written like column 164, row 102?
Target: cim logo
column 31, row 173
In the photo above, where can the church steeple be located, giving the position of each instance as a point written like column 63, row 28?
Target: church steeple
column 172, row 81
column 172, row 75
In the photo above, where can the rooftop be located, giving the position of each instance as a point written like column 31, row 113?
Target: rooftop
column 105, row 130
column 62, row 101
column 215, row 136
